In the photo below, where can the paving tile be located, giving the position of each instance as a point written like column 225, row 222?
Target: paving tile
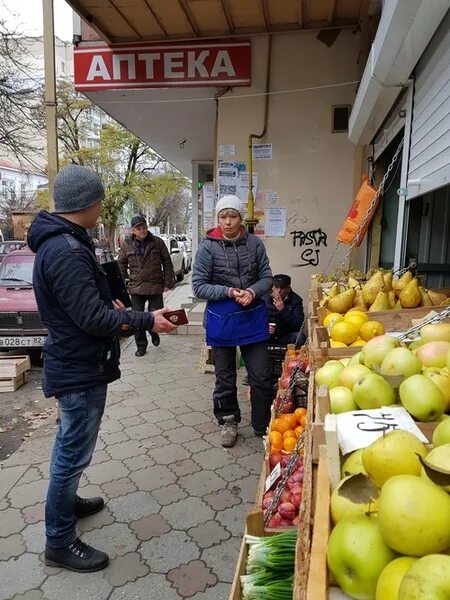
column 208, row 427
column 114, row 438
column 169, row 454
column 221, row 591
column 201, row 483
column 30, row 595
column 222, row 499
column 169, row 494
column 34, row 514
column 158, row 441
column 10, row 476
column 209, row 534
column 31, row 474
column 119, row 487
column 34, row 537
column 168, row 551
column 197, row 446
column 180, row 410
column 187, row 513
column 152, row 478
column 157, row 415
column 232, row 472
column 100, row 457
column 195, row 418
column 143, row 431
column 185, row 467
column 116, row 539
column 169, row 424
column 191, row 578
column 241, row 450
column 214, row 458
column 108, row 471
column 14, row 545
column 139, row 462
column 18, row 575
column 120, row 388
column 130, row 422
column 110, row 426
column 246, row 487
column 20, row 495
column 139, row 590
column 252, row 462
column 233, row 519
column 133, row 378
column 125, row 569
column 133, row 507
column 149, row 527
column 94, row 522
column 183, row 434
column 222, row 558
column 73, row 586
column 126, row 449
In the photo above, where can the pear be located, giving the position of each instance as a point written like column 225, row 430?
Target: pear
column 359, row 300
column 353, row 283
column 426, row 300
column 399, row 284
column 398, row 305
column 381, row 302
column 387, row 276
column 334, row 290
column 437, row 298
column 392, row 299
column 410, row 296
column 342, row 302
column 372, row 287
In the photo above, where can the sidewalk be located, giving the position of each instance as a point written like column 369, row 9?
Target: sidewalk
column 175, row 499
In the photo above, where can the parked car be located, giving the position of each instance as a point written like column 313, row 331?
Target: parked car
column 10, row 246
column 176, row 255
column 187, row 255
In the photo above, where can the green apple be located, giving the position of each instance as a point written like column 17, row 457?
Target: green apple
column 356, row 556
column 427, row 579
column 353, row 496
column 400, row 361
column 439, row 457
column 441, row 435
column 356, row 359
column 344, row 361
column 433, row 354
column 414, row 516
column 341, row 400
column 388, row 585
column 436, row 332
column 393, row 454
column 422, row 398
column 329, row 374
column 376, row 349
column 352, row 464
column 442, row 379
column 372, row 391
column 350, row 375
column 443, row 417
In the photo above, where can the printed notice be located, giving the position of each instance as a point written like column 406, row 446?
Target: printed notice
column 275, row 222
column 227, row 150
column 242, row 188
column 272, row 197
column 208, row 198
column 262, row 151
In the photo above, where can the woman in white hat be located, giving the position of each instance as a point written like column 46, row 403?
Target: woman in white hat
column 232, row 273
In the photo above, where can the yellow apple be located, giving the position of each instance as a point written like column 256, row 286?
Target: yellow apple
column 388, row 585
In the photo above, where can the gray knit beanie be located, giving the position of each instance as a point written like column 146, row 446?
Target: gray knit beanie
column 76, row 188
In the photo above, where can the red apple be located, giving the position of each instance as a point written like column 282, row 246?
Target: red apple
column 287, row 511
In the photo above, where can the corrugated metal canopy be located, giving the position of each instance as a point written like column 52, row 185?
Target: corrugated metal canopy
column 146, row 20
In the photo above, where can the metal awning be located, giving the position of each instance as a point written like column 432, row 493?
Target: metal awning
column 151, row 20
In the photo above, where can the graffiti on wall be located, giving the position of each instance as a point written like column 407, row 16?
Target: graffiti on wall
column 309, row 243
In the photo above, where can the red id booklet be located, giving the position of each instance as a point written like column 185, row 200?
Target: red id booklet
column 177, row 317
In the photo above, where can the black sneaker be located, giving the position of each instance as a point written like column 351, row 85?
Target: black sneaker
column 88, row 506
column 77, row 557
column 259, row 432
column 155, row 339
column 140, row 352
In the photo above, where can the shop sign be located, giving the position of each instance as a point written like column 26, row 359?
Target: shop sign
column 162, row 65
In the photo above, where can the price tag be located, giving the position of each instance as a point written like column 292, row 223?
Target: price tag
column 358, row 429
column 273, row 477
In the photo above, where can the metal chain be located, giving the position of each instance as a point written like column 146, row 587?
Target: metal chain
column 434, row 319
column 293, row 459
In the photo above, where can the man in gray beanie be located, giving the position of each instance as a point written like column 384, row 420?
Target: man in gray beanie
column 81, row 353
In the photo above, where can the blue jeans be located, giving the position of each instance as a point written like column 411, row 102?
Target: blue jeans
column 80, row 413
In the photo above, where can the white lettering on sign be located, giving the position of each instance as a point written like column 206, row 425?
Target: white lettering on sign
column 98, row 69
column 149, row 59
column 197, row 64
column 223, row 64
column 170, row 64
column 128, row 59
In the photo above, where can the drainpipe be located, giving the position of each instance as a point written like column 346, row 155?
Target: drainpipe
column 251, row 221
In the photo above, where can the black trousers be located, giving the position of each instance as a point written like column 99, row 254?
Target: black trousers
column 256, row 357
column 138, row 302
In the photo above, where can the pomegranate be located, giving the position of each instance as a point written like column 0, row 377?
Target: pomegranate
column 296, row 499
column 287, row 511
column 275, row 459
column 275, row 521
column 286, row 496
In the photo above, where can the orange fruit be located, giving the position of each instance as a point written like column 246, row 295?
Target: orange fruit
column 304, row 420
column 289, row 433
column 299, row 412
column 299, row 430
column 280, row 425
column 291, row 419
column 276, row 439
column 290, row 443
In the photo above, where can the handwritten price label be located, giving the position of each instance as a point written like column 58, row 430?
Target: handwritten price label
column 358, row 429
column 273, row 477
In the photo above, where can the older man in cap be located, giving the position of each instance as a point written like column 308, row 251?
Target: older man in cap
column 81, row 353
column 151, row 273
column 285, row 311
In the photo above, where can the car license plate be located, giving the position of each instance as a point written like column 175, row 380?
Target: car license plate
column 25, row 341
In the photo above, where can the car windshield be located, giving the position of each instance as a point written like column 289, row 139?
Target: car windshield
column 9, row 247
column 18, row 269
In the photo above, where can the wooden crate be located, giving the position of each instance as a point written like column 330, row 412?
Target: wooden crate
column 11, row 384
column 13, row 366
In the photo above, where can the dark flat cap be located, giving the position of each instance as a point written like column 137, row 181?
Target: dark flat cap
column 281, row 281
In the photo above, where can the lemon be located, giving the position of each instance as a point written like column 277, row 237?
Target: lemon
column 358, row 342
column 344, row 332
column 358, row 313
column 371, row 329
column 334, row 344
column 355, row 319
column 332, row 318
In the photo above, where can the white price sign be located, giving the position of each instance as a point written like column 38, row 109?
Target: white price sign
column 358, row 429
column 273, row 477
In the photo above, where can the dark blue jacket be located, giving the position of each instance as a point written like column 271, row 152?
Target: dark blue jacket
column 288, row 320
column 72, row 293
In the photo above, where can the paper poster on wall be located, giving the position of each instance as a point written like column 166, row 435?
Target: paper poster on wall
column 242, row 188
column 262, row 151
column 275, row 222
column 227, row 177
column 208, row 198
column 227, row 150
column 260, row 229
column 272, row 197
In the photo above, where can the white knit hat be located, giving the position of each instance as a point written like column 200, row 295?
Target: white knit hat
column 229, row 201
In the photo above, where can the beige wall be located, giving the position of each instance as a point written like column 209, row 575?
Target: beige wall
column 312, row 169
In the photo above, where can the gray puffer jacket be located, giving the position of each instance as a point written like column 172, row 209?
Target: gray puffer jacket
column 221, row 264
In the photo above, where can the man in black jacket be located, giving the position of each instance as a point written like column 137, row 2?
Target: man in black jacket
column 285, row 312
column 81, row 353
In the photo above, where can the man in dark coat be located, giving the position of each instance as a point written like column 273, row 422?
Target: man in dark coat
column 151, row 273
column 81, row 353
column 285, row 311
